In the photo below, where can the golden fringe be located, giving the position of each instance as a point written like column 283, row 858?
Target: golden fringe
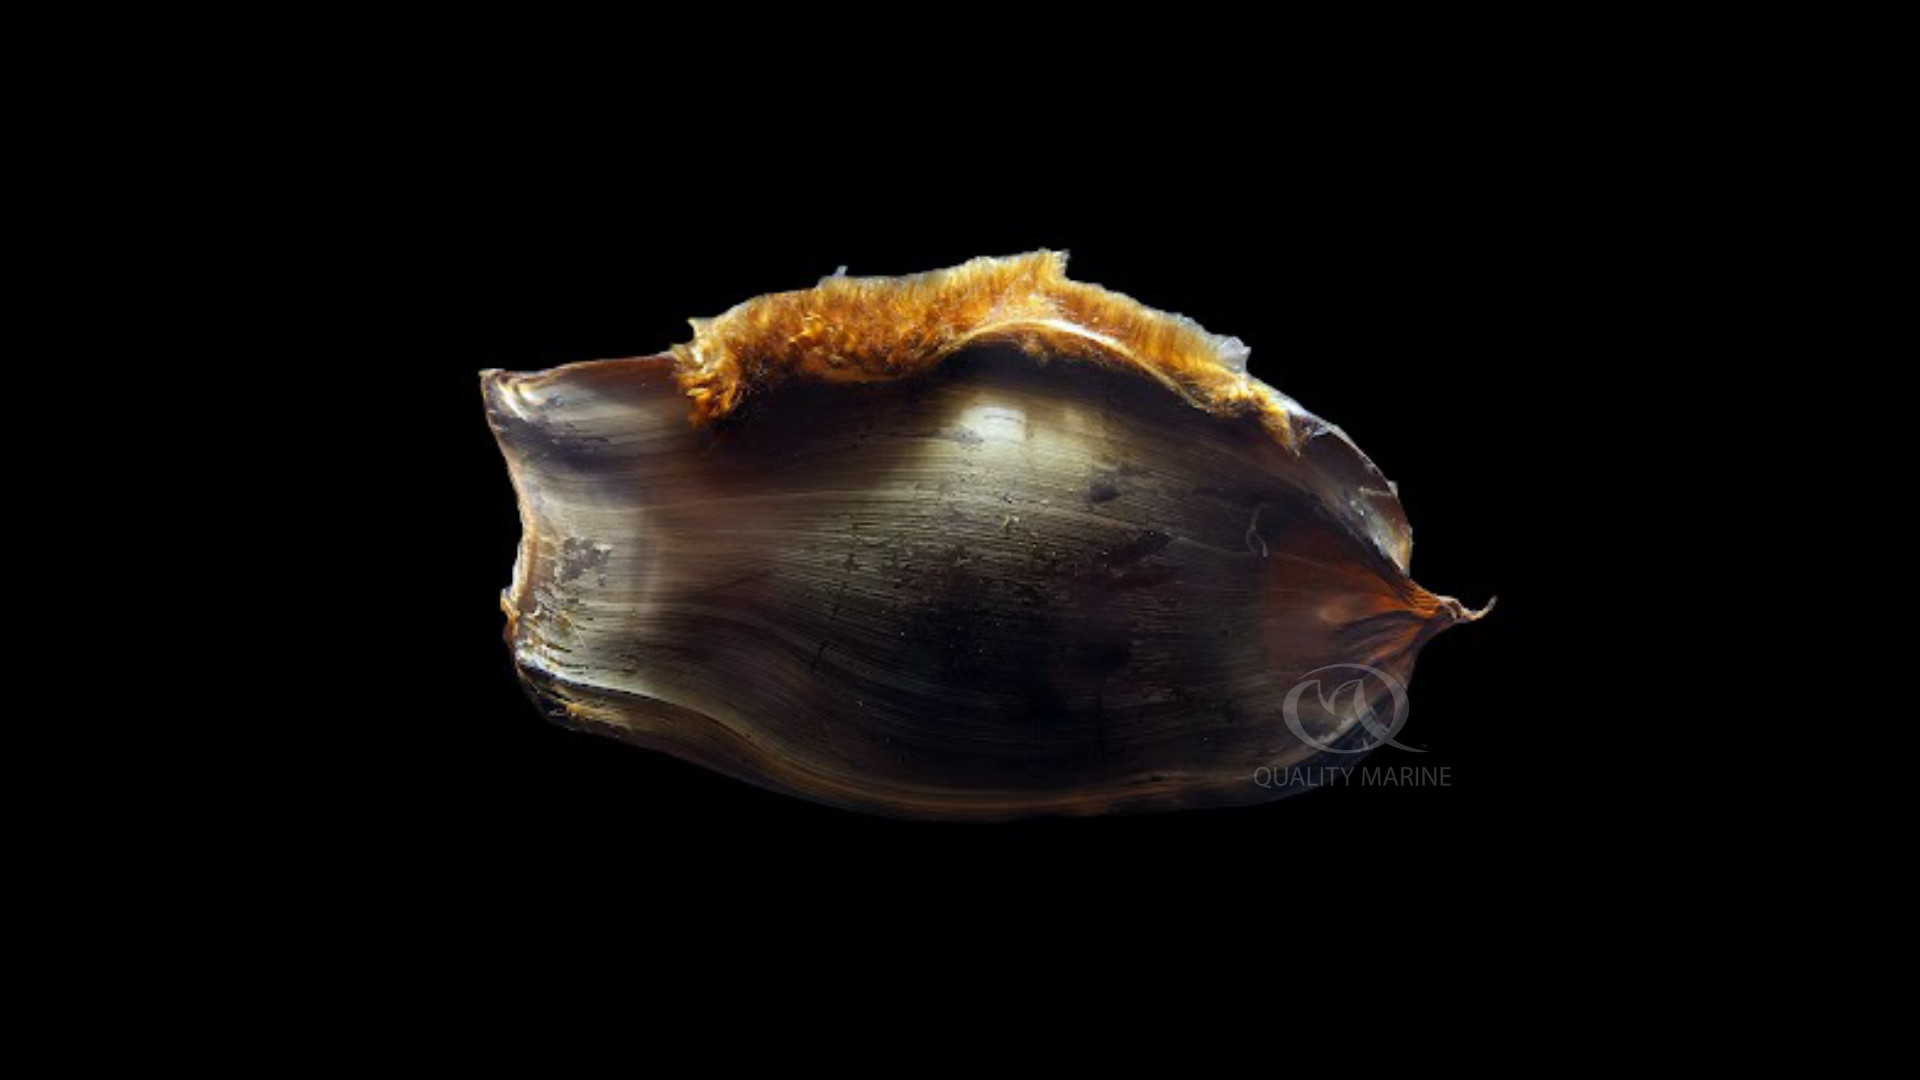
column 871, row 329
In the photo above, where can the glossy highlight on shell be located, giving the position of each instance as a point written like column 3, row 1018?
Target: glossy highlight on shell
column 983, row 543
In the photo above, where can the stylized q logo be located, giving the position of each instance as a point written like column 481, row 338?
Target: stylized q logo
column 1349, row 703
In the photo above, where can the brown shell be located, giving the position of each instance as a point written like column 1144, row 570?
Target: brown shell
column 998, row 573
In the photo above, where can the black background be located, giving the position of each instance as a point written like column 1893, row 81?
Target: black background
column 1416, row 295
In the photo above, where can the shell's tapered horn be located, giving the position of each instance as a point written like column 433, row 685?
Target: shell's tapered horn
column 981, row 543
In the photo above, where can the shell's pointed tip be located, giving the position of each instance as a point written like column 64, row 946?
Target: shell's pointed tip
column 1463, row 613
column 1448, row 612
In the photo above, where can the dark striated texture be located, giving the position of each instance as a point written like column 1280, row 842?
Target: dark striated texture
column 994, row 588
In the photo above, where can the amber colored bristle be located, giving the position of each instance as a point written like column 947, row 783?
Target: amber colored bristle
column 849, row 329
